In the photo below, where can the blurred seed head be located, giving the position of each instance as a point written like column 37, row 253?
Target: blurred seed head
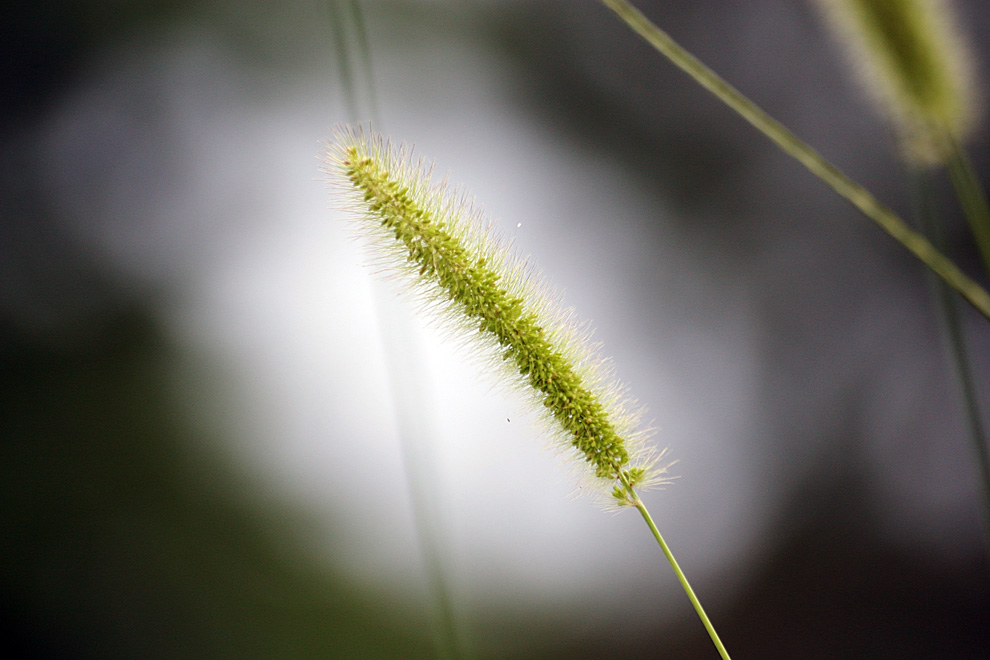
column 914, row 64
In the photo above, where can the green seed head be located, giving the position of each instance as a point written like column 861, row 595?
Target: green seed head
column 450, row 256
column 914, row 64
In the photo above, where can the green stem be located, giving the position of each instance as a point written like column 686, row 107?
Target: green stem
column 680, row 576
column 811, row 159
column 348, row 32
column 407, row 367
column 956, row 340
column 971, row 197
column 364, row 51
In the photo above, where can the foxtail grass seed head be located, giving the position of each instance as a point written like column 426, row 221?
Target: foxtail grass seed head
column 914, row 64
column 450, row 256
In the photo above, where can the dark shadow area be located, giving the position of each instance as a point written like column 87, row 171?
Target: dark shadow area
column 117, row 543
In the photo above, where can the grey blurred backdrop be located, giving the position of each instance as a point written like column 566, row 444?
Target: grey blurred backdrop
column 223, row 437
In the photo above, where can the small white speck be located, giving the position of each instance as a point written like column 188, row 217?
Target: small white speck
column 518, row 225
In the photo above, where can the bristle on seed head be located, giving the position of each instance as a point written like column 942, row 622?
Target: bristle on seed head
column 451, row 257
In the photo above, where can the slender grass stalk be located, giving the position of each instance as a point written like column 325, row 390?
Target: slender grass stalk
column 361, row 33
column 683, row 580
column 402, row 356
column 443, row 249
column 948, row 313
column 345, row 68
column 915, row 65
column 414, row 410
column 972, row 198
column 348, row 33
column 917, row 244
column 973, row 201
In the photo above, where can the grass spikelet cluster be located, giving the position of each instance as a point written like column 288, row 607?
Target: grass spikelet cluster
column 448, row 252
column 913, row 63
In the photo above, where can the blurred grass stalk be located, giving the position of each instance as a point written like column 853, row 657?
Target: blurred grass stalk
column 955, row 341
column 353, row 55
column 862, row 199
column 403, row 356
column 918, row 70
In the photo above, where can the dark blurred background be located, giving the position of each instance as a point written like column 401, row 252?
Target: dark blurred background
column 222, row 437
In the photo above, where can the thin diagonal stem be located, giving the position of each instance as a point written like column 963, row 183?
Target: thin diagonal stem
column 348, row 33
column 364, row 59
column 412, row 402
column 972, row 198
column 680, row 576
column 917, row 244
column 959, row 355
